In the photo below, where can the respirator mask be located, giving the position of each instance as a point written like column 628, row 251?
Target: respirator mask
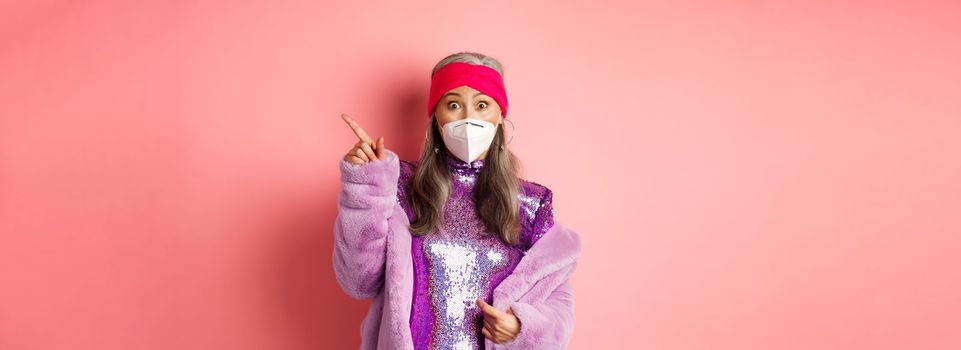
column 468, row 138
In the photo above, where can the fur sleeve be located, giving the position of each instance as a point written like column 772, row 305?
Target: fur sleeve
column 367, row 198
column 547, row 324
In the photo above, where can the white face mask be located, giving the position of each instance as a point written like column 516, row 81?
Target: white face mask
column 468, row 138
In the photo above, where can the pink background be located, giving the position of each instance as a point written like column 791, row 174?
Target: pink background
column 744, row 174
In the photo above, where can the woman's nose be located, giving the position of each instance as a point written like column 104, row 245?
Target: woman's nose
column 471, row 113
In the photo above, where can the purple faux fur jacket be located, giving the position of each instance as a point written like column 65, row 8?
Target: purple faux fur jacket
column 372, row 259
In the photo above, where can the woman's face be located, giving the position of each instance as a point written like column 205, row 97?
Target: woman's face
column 466, row 102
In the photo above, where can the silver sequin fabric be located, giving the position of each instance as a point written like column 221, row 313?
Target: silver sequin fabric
column 462, row 261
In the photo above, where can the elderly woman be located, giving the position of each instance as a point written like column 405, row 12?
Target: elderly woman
column 455, row 249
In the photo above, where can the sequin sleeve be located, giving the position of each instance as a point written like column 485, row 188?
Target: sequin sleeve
column 543, row 216
column 366, row 201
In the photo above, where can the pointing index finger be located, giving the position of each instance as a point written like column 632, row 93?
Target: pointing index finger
column 361, row 134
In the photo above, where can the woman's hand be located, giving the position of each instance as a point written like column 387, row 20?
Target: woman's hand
column 499, row 326
column 364, row 150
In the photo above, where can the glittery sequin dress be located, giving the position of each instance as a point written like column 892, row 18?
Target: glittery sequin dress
column 459, row 263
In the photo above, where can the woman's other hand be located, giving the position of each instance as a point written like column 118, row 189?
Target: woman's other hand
column 365, row 150
column 499, row 326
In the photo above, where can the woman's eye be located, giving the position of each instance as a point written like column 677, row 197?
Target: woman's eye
column 482, row 105
column 453, row 105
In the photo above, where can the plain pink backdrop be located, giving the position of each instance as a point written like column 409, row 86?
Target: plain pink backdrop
column 744, row 174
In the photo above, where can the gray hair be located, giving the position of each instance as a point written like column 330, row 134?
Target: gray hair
column 471, row 58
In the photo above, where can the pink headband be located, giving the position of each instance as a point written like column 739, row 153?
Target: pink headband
column 483, row 78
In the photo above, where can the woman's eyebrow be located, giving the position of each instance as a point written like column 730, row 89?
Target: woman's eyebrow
column 458, row 95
